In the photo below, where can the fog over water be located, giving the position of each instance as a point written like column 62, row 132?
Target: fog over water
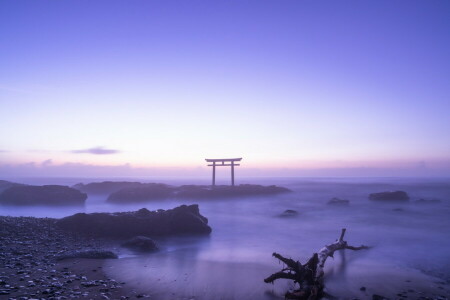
column 410, row 241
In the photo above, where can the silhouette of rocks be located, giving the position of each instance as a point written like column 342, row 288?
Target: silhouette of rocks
column 154, row 191
column 142, row 193
column 105, row 187
column 7, row 184
column 180, row 220
column 337, row 201
column 397, row 196
column 289, row 213
column 141, row 243
column 42, row 195
column 93, row 254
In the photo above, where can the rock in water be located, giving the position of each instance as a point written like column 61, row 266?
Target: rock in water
column 141, row 243
column 42, row 195
column 397, row 196
column 179, row 220
column 141, row 193
column 105, row 187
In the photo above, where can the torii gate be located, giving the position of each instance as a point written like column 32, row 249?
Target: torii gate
column 223, row 160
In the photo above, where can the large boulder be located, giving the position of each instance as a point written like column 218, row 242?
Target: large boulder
column 397, row 196
column 157, row 191
column 179, row 220
column 142, row 193
column 105, row 187
column 42, row 195
column 4, row 185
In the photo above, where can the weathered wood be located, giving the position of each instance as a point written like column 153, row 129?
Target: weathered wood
column 222, row 159
column 309, row 276
column 223, row 162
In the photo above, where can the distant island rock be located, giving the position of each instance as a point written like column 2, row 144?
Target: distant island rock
column 180, row 220
column 155, row 191
column 397, row 196
column 42, row 195
column 105, row 187
column 427, row 201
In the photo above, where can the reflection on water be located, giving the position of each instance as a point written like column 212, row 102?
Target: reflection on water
column 234, row 260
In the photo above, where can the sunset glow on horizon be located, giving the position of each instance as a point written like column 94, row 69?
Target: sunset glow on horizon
column 163, row 85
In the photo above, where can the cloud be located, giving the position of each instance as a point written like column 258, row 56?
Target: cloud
column 3, row 151
column 97, row 151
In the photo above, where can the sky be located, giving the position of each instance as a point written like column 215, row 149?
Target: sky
column 320, row 88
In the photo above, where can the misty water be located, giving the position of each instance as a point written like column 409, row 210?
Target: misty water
column 410, row 242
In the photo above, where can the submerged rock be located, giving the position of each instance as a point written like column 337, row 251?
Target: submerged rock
column 179, row 220
column 141, row 243
column 93, row 254
column 289, row 213
column 155, row 191
column 105, row 187
column 337, row 201
column 42, row 195
column 397, row 196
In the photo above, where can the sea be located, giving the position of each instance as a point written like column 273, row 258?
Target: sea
column 409, row 242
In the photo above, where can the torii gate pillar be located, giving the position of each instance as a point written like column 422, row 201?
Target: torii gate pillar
column 222, row 162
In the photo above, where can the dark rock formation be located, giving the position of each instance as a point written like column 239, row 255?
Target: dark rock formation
column 337, row 201
column 180, row 220
column 142, row 193
column 105, row 187
column 153, row 191
column 7, row 184
column 397, row 196
column 42, row 195
column 289, row 213
column 141, row 243
column 93, row 254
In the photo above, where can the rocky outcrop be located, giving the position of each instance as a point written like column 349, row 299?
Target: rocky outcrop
column 42, row 195
column 397, row 196
column 154, row 191
column 105, row 187
column 427, row 201
column 142, row 193
column 7, row 184
column 337, row 201
column 180, row 220
column 141, row 244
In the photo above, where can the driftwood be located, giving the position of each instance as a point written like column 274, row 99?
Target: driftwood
column 310, row 275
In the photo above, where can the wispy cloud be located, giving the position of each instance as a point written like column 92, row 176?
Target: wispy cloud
column 97, row 151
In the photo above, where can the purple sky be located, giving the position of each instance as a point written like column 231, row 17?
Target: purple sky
column 295, row 87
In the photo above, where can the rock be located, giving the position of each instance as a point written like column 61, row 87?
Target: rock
column 397, row 196
column 141, row 243
column 427, row 201
column 42, row 195
column 337, row 201
column 93, row 254
column 155, row 191
column 179, row 220
column 142, row 193
column 289, row 213
column 105, row 187
column 7, row 184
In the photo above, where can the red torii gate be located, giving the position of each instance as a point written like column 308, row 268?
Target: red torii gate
column 222, row 163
